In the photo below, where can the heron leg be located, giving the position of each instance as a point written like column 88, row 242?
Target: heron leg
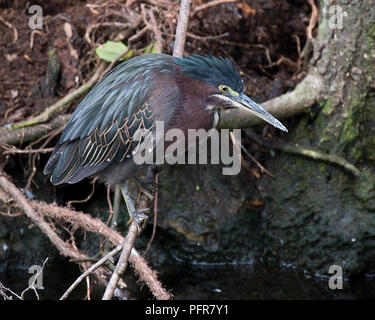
column 148, row 186
column 135, row 215
column 148, row 189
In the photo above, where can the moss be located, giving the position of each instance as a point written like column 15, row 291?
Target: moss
column 327, row 107
column 325, row 128
column 370, row 36
column 300, row 162
column 365, row 186
column 350, row 130
column 322, row 167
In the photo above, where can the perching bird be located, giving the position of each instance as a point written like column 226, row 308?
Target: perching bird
column 185, row 93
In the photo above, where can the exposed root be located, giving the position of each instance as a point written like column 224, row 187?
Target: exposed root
column 309, row 153
column 91, row 27
column 8, row 294
column 90, row 270
column 210, row 4
column 93, row 182
column 313, row 19
column 34, row 32
column 9, row 25
column 37, row 212
column 13, row 150
column 155, row 28
column 137, row 22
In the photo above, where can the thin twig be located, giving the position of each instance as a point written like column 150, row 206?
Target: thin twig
column 262, row 169
column 88, row 296
column 182, row 25
column 127, row 246
column 32, row 285
column 248, row 154
column 156, row 30
column 209, row 5
column 139, row 34
column 9, row 25
column 12, row 215
column 108, row 256
column 103, row 24
column 219, row 36
column 27, row 151
column 201, row 38
column 32, row 37
column 69, row 204
column 47, row 113
column 313, row 19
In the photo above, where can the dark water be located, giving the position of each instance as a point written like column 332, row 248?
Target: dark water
column 204, row 282
column 259, row 282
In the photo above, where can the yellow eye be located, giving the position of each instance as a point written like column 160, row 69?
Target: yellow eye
column 224, row 89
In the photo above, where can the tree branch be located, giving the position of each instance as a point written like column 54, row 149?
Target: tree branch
column 127, row 246
column 29, row 134
column 182, row 25
column 309, row 153
column 304, row 95
column 46, row 114
column 86, row 222
column 90, row 270
column 23, row 203
column 128, row 242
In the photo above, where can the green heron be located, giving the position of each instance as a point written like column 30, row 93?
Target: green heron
column 185, row 93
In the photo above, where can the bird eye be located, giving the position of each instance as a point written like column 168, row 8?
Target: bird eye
column 223, row 88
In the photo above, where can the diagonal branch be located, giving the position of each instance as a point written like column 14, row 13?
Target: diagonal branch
column 90, row 270
column 182, row 25
column 23, row 203
column 291, row 103
column 46, row 114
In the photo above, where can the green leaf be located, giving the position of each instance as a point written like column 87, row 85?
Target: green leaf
column 148, row 48
column 111, row 50
column 128, row 55
column 151, row 48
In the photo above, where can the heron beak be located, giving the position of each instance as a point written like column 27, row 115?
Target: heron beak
column 244, row 102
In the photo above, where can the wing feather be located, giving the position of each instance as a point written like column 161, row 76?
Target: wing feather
column 102, row 128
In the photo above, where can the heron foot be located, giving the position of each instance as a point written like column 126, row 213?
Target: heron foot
column 138, row 216
column 149, row 188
